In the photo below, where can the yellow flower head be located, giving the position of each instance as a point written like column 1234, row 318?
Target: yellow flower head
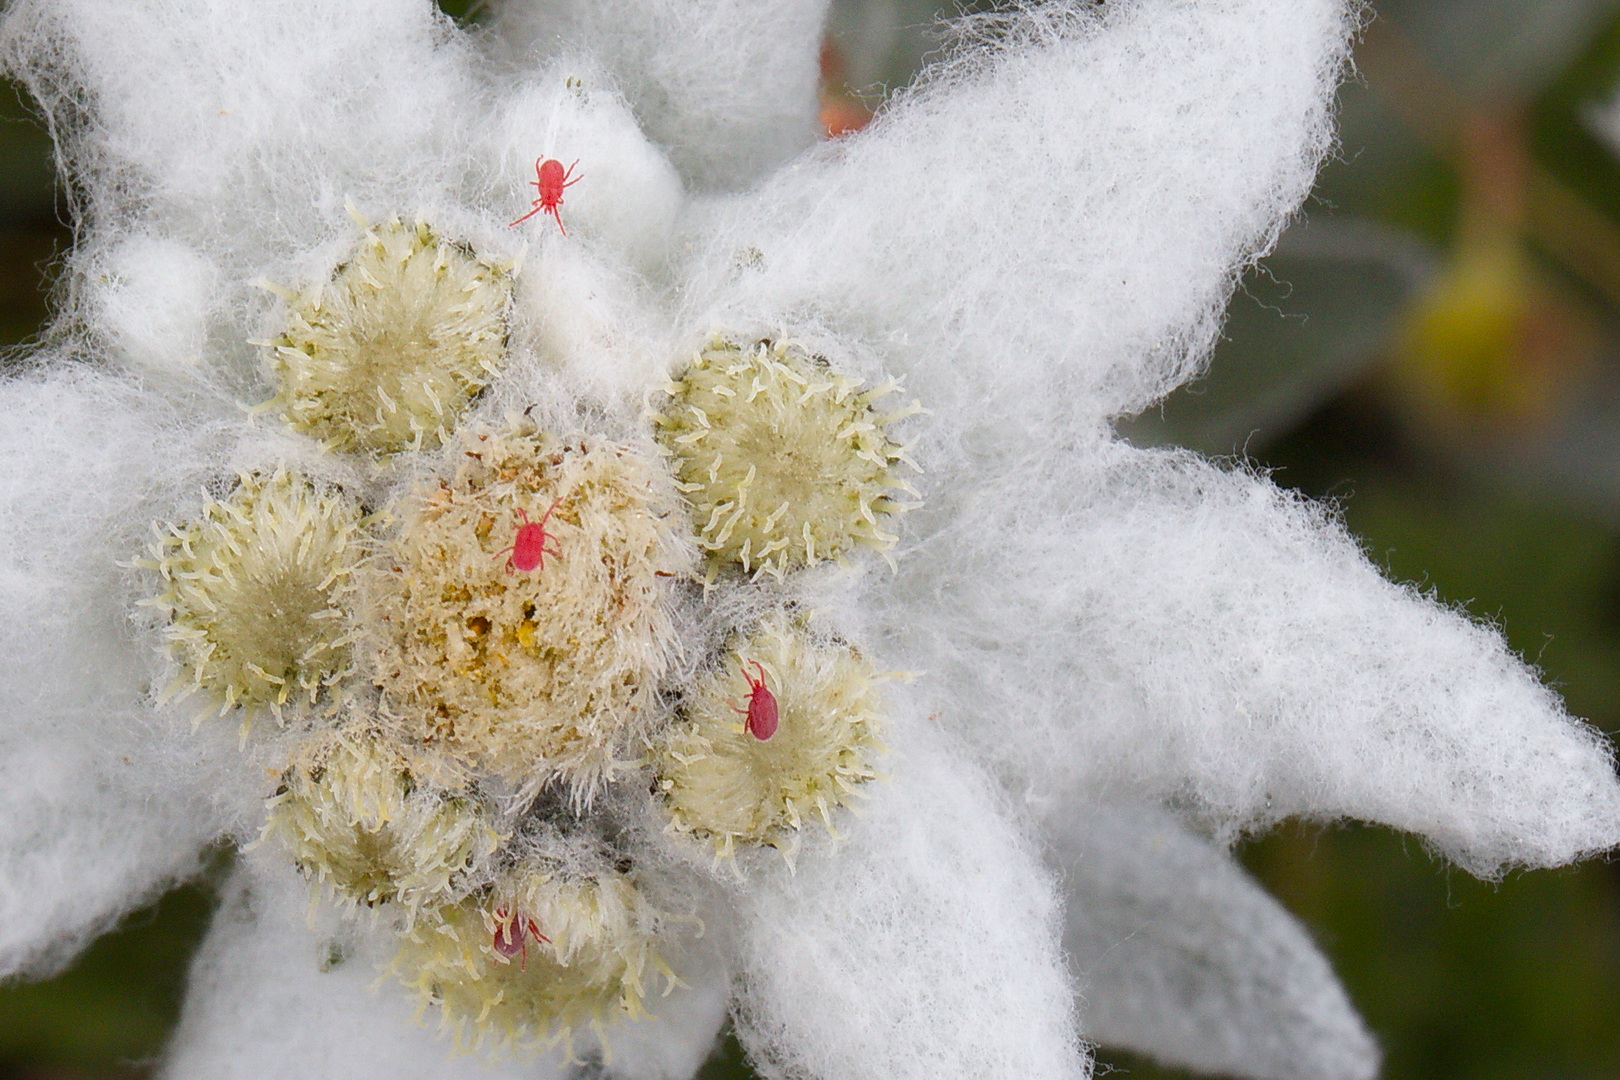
column 784, row 461
column 386, row 355
column 529, row 667
column 537, row 956
column 358, row 815
column 259, row 589
column 722, row 782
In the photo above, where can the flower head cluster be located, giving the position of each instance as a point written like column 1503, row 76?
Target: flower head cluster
column 557, row 663
column 501, row 633
column 539, row 953
column 354, row 814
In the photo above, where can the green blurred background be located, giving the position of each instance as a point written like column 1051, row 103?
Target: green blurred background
column 1435, row 348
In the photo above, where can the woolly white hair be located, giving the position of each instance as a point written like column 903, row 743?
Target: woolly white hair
column 1179, row 954
column 1038, row 237
column 89, row 822
column 268, row 968
column 727, row 87
column 1025, row 169
column 845, row 953
column 1227, row 647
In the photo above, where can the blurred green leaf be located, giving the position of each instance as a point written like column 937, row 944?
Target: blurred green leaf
column 883, row 43
column 1305, row 324
column 27, row 172
column 1507, row 49
column 1459, row 978
column 114, row 1007
column 728, row 1062
column 464, row 11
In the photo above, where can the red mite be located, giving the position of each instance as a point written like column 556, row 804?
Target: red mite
column 512, row 934
column 528, row 548
column 548, row 183
column 761, row 711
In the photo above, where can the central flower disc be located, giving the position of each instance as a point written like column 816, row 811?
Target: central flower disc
column 529, row 673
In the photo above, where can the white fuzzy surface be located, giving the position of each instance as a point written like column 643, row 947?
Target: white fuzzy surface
column 245, row 126
column 924, row 949
column 1185, row 632
column 1179, row 954
column 96, row 815
column 683, row 1030
column 727, row 86
column 622, row 193
column 153, row 298
column 592, row 322
column 1053, row 223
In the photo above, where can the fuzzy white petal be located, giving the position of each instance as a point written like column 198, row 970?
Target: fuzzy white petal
column 925, row 948
column 99, row 810
column 242, row 123
column 620, row 188
column 1180, row 955
column 1057, row 217
column 1145, row 623
column 586, row 318
column 728, row 87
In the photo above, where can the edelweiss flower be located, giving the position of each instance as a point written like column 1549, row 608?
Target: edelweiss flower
column 515, row 601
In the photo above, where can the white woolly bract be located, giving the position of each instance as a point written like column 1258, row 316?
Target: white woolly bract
column 242, row 129
column 683, row 1028
column 102, row 804
column 784, row 461
column 534, row 672
column 152, row 298
column 259, row 590
column 623, row 195
column 723, row 784
column 386, row 355
column 1179, row 631
column 1050, row 224
column 924, row 948
column 728, row 86
column 354, row 815
column 1180, row 955
column 596, row 966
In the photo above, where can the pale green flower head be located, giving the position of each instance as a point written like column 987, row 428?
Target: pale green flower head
column 257, row 591
column 784, row 461
column 387, row 354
